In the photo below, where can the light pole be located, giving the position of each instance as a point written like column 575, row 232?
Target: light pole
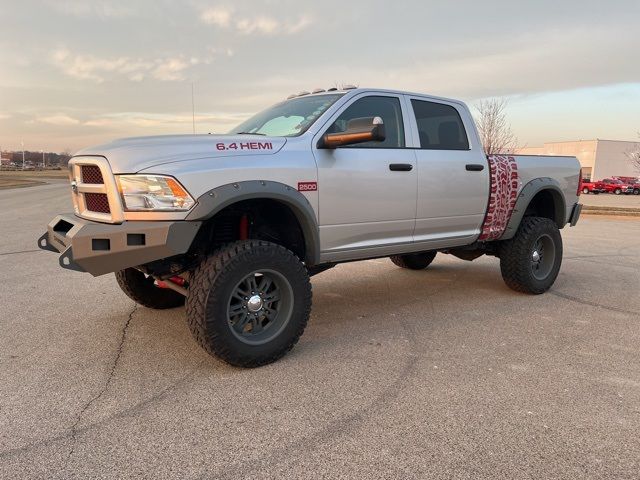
column 22, row 143
column 43, row 165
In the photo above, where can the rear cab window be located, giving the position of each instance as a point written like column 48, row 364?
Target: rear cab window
column 439, row 126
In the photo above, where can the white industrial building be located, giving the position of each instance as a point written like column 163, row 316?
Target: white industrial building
column 599, row 158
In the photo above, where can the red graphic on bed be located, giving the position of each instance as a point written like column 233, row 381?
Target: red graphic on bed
column 503, row 171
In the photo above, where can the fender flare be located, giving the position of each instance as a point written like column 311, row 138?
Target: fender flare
column 527, row 193
column 216, row 199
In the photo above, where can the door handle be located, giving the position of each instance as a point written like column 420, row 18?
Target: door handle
column 474, row 167
column 400, row 167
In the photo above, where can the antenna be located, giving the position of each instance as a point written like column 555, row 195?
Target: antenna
column 193, row 110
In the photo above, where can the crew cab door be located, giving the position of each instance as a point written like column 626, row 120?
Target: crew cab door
column 453, row 173
column 366, row 191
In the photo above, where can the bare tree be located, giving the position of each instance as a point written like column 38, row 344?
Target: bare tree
column 634, row 156
column 495, row 132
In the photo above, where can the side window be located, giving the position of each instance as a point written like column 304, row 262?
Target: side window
column 439, row 126
column 388, row 108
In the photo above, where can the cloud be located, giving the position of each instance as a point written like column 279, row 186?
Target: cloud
column 227, row 18
column 219, row 16
column 93, row 8
column 152, row 123
column 98, row 69
column 529, row 64
column 59, row 119
column 171, row 69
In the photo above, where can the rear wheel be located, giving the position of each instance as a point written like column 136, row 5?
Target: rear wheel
column 142, row 289
column 249, row 303
column 585, row 190
column 617, row 191
column 414, row 261
column 531, row 260
column 636, row 191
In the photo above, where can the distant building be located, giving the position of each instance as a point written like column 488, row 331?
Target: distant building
column 599, row 158
column 6, row 158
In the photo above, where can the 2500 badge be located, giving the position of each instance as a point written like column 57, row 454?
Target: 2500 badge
column 307, row 186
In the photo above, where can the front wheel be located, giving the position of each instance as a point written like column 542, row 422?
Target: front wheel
column 617, row 191
column 585, row 190
column 531, row 260
column 249, row 303
column 636, row 191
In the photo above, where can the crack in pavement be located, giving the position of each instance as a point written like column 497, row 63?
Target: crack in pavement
column 105, row 387
column 127, row 412
column 592, row 304
column 20, row 251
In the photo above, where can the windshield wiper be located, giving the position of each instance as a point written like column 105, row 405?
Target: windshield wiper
column 250, row 133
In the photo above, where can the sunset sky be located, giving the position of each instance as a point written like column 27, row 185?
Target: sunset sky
column 75, row 73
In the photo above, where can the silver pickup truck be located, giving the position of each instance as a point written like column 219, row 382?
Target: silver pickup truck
column 234, row 225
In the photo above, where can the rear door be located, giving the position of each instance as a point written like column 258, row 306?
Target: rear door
column 367, row 191
column 453, row 173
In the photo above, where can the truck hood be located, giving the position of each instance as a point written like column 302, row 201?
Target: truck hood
column 131, row 155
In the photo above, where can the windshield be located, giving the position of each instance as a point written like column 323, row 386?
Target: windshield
column 289, row 118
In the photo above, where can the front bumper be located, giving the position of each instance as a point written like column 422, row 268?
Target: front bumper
column 100, row 248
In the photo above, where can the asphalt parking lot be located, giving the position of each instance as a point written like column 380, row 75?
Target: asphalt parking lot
column 443, row 373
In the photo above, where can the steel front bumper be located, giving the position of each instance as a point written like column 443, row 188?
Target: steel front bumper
column 100, row 248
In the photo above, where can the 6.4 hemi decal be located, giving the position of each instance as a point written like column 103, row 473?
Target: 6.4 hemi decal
column 244, row 146
column 502, row 199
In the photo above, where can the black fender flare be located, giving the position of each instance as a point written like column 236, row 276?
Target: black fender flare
column 527, row 193
column 223, row 196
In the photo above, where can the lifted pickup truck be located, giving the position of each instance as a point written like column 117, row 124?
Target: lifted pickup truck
column 236, row 224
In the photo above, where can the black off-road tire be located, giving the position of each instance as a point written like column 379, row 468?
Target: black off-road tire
column 212, row 287
column 414, row 261
column 517, row 256
column 141, row 289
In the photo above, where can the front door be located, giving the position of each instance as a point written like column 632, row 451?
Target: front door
column 367, row 191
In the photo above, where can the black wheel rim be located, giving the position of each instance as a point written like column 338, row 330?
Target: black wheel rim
column 543, row 257
column 260, row 307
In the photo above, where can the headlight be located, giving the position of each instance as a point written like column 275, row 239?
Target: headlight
column 143, row 193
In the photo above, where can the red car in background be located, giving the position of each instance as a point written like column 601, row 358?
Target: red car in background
column 634, row 182
column 613, row 185
column 591, row 187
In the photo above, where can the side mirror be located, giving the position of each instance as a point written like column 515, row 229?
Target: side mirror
column 359, row 130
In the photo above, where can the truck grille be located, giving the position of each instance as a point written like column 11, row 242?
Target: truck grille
column 91, row 174
column 97, row 202
column 95, row 192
